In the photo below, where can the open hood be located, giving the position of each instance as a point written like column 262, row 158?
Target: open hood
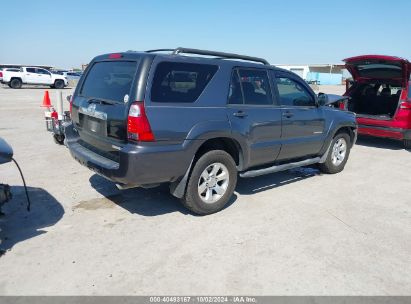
column 378, row 67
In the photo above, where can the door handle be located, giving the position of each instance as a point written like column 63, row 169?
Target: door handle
column 288, row 114
column 240, row 114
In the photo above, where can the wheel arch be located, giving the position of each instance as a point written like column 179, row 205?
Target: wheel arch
column 15, row 77
column 227, row 144
column 350, row 130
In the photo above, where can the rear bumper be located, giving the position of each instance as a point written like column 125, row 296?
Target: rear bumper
column 137, row 165
column 387, row 132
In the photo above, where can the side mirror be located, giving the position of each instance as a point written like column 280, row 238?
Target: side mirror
column 322, row 99
column 68, row 98
column 6, row 152
column 331, row 100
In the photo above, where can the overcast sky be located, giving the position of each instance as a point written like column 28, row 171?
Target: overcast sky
column 68, row 33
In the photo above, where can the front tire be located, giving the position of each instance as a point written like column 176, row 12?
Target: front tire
column 407, row 144
column 337, row 155
column 59, row 84
column 16, row 83
column 211, row 183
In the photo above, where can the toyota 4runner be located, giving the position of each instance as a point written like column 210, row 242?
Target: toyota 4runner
column 196, row 122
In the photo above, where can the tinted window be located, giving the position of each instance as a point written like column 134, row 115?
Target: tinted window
column 235, row 95
column 180, row 82
column 293, row 93
column 31, row 70
column 109, row 80
column 380, row 70
column 41, row 71
column 250, row 86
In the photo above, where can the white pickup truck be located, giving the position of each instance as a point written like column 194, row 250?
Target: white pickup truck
column 33, row 76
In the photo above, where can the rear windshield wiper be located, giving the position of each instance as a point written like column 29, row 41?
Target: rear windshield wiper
column 101, row 100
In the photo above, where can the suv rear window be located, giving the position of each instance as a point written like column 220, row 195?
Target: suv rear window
column 176, row 82
column 110, row 80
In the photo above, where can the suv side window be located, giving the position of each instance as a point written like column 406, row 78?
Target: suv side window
column 176, row 82
column 41, row 71
column 292, row 93
column 31, row 70
column 250, row 86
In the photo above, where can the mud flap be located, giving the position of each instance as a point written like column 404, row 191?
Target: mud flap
column 178, row 188
column 324, row 157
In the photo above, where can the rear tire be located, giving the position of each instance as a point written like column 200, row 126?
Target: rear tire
column 58, row 139
column 211, row 184
column 337, row 155
column 407, row 144
column 16, row 83
column 59, row 84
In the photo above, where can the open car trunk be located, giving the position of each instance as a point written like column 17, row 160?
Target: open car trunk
column 374, row 99
column 378, row 83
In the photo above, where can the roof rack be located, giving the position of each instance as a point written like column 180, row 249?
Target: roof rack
column 220, row 55
column 160, row 50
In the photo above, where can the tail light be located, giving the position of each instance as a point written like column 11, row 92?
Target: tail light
column 138, row 126
column 115, row 56
column 404, row 103
column 1, row 74
column 341, row 104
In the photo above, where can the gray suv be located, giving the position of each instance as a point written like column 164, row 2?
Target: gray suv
column 199, row 120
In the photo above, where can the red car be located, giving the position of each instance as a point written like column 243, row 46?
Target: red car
column 381, row 96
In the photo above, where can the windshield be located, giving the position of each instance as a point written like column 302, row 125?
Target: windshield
column 109, row 80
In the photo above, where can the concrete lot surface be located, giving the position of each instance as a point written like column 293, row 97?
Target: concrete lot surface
column 291, row 233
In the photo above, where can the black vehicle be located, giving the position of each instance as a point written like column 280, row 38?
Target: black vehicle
column 145, row 118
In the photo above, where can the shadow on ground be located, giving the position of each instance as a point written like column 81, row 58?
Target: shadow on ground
column 382, row 143
column 159, row 201
column 249, row 186
column 147, row 202
column 18, row 224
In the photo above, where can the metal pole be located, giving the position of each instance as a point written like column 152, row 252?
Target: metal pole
column 60, row 103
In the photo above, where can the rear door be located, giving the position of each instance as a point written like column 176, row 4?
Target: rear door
column 378, row 67
column 253, row 113
column 43, row 76
column 303, row 123
column 30, row 75
column 101, row 103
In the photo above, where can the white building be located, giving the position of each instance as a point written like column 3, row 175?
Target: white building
column 319, row 73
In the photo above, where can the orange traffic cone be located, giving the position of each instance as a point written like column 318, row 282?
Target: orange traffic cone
column 46, row 100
